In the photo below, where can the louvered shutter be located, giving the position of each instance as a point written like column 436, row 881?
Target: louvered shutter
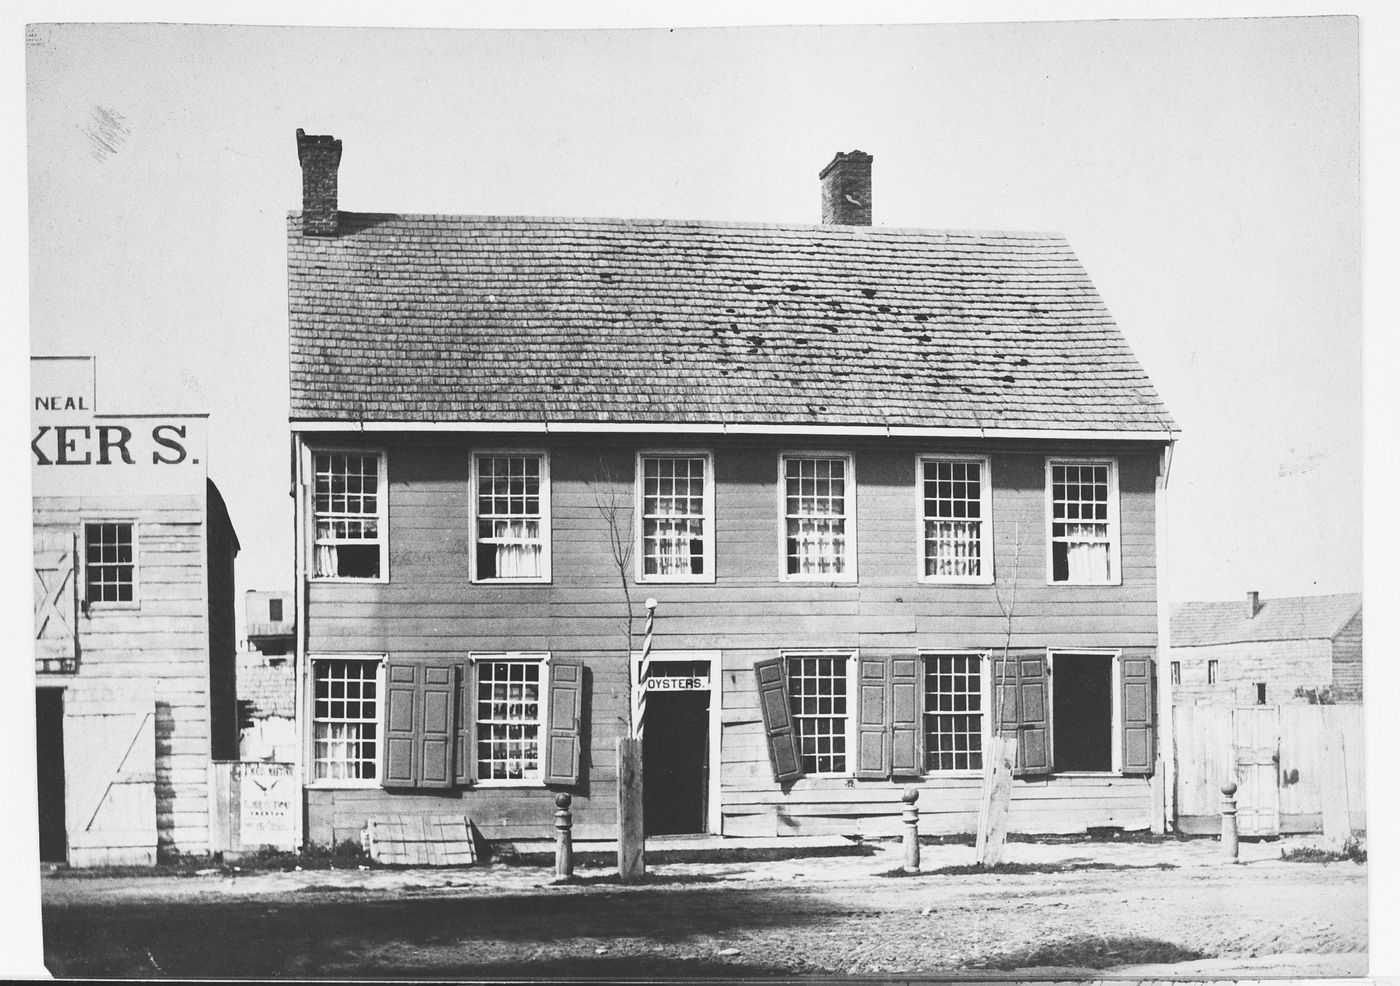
column 906, row 754
column 872, row 733
column 435, row 740
column 1032, row 716
column 777, row 720
column 565, row 708
column 401, row 732
column 1139, row 735
column 464, row 745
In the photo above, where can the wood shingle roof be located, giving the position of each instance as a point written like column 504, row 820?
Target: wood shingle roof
column 422, row 318
column 1201, row 624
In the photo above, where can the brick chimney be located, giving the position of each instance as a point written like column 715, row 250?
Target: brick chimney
column 1253, row 604
column 320, row 160
column 846, row 190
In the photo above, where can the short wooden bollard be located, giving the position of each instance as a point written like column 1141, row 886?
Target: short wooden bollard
column 563, row 837
column 910, row 798
column 1229, row 824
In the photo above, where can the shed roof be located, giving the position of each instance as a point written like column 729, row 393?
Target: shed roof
column 426, row 318
column 1199, row 624
column 269, row 690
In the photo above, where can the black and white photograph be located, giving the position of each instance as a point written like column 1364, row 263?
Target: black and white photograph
column 629, row 496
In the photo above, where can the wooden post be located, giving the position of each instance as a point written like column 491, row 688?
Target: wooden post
column 1229, row 825
column 996, row 801
column 631, row 843
column 910, row 798
column 563, row 838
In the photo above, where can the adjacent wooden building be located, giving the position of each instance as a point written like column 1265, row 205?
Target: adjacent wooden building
column 133, row 625
column 863, row 471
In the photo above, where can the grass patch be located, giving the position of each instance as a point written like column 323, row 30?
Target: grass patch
column 1352, row 849
column 340, row 856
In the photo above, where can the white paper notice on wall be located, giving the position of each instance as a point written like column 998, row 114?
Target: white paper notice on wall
column 266, row 796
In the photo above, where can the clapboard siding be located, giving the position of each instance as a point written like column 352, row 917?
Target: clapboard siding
column 1346, row 661
column 429, row 610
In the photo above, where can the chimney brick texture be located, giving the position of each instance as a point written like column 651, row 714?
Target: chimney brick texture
column 846, row 190
column 320, row 161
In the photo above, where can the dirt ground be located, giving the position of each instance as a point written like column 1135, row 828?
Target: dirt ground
column 1058, row 911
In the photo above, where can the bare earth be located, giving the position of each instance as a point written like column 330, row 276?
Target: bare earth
column 1070, row 911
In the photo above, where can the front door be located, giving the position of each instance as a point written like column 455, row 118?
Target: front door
column 675, row 749
column 1256, row 745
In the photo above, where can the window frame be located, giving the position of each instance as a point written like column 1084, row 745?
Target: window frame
column 546, row 528
column 850, row 574
column 852, row 658
column 988, row 695
column 1115, row 714
column 357, row 783
column 382, row 515
column 467, row 718
column 1115, row 531
column 113, row 605
column 639, row 520
column 1212, row 671
column 1174, row 672
column 988, row 542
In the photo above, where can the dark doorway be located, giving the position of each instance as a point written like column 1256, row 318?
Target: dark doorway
column 53, row 821
column 675, row 757
column 1082, row 685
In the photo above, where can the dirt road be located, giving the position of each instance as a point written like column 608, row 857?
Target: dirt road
column 807, row 917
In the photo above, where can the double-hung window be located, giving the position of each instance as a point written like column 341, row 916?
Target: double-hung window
column 955, row 507
column 818, row 686
column 109, row 555
column 510, row 704
column 511, row 504
column 819, row 516
column 954, row 724
column 348, row 504
column 1082, row 515
column 345, row 719
column 676, row 517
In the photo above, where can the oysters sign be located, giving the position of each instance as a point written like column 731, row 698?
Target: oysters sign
column 76, row 451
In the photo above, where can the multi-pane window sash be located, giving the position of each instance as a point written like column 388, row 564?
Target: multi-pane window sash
column 675, row 529
column 509, row 517
column 953, row 711
column 815, row 499
column 1081, row 537
column 817, row 690
column 346, row 503
column 345, row 730
column 110, row 562
column 953, row 495
column 508, row 720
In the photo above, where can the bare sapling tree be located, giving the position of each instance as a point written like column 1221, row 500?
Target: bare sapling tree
column 996, row 782
column 616, row 511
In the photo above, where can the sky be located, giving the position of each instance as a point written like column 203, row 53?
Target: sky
column 1207, row 172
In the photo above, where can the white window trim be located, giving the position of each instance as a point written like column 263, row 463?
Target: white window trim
column 715, row 818
column 546, row 529
column 112, row 606
column 850, row 574
column 852, row 657
column 988, row 575
column 639, row 522
column 1115, row 704
column 988, row 696
column 1115, row 531
column 382, row 515
column 345, row 783
column 539, row 657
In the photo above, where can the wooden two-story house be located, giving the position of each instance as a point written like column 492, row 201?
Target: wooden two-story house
column 855, row 467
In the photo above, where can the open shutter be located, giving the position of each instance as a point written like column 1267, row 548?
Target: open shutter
column 1139, row 739
column 435, row 740
column 1032, row 716
column 401, row 733
column 906, row 757
column 565, row 708
column 55, row 600
column 464, row 747
column 872, row 733
column 777, row 720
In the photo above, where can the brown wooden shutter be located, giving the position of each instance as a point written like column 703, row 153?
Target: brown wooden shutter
column 1032, row 716
column 1139, row 735
column 565, row 709
column 1004, row 710
column 906, row 753
column 777, row 720
column 872, row 722
column 435, row 739
column 464, row 752
column 401, row 732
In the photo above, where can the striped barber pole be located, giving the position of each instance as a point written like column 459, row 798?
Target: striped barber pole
column 639, row 693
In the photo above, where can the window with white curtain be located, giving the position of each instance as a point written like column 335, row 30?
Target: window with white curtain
column 1083, row 501
column 676, row 510
column 512, row 517
column 345, row 719
column 348, row 509
column 955, row 500
column 818, row 500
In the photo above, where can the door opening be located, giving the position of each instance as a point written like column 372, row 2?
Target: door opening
column 675, row 757
column 1082, row 693
column 53, row 820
